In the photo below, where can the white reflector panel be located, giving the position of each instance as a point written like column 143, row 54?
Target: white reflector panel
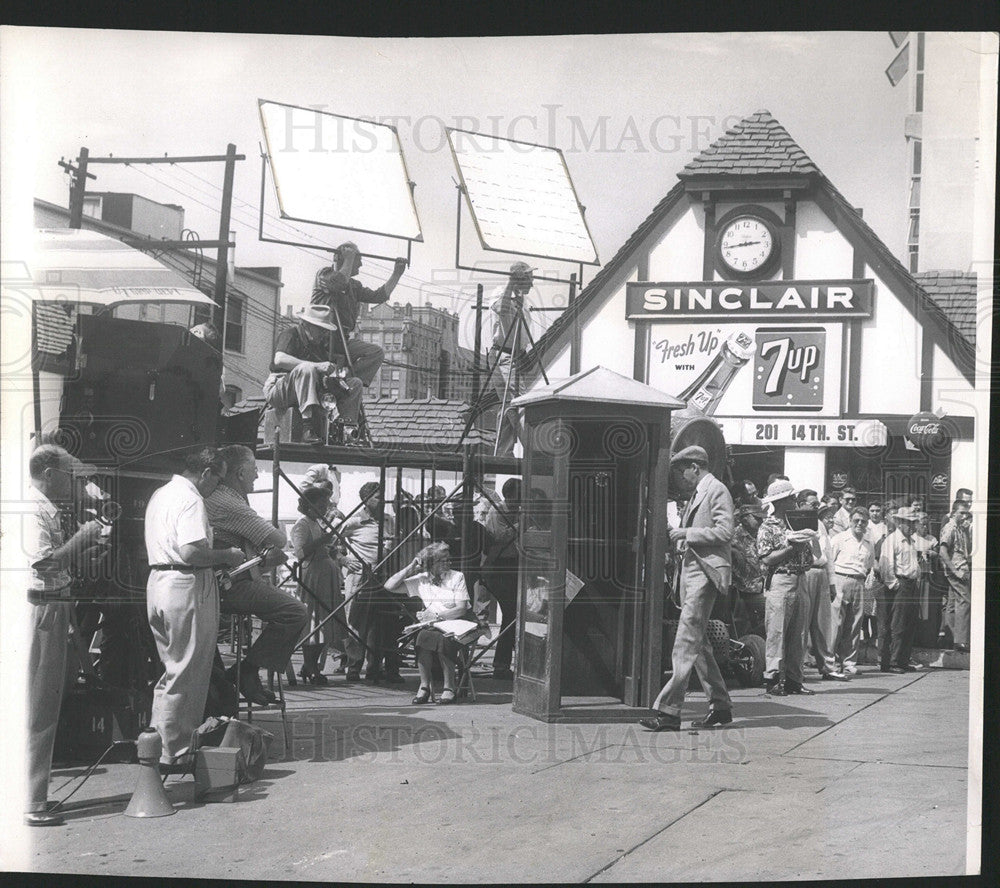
column 339, row 171
column 521, row 198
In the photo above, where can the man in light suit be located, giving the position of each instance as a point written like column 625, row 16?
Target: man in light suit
column 703, row 540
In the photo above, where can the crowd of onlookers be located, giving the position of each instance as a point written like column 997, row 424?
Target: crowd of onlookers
column 853, row 572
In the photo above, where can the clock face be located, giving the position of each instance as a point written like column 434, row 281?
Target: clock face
column 746, row 244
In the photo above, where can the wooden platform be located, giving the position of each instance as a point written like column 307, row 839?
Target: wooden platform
column 356, row 455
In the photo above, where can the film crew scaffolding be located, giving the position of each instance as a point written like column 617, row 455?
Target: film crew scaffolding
column 340, row 187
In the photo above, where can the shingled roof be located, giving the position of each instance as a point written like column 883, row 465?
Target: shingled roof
column 418, row 423
column 955, row 294
column 757, row 145
column 760, row 146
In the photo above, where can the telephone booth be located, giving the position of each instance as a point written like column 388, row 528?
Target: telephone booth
column 593, row 536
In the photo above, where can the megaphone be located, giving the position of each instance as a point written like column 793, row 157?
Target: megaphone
column 149, row 798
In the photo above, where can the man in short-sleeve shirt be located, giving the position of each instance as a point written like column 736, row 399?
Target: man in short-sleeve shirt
column 182, row 600
column 302, row 372
column 954, row 548
column 51, row 558
column 236, row 523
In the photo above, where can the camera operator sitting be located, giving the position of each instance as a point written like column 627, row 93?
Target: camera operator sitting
column 302, row 372
column 443, row 596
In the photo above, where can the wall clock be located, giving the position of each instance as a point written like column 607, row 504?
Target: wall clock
column 747, row 246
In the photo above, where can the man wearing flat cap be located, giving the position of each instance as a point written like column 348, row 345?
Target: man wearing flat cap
column 507, row 342
column 301, row 373
column 703, row 541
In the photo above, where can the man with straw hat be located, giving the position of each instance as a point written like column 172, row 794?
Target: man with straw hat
column 786, row 556
column 898, row 605
column 301, row 373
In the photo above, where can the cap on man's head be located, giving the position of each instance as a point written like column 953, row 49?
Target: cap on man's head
column 521, row 271
column 779, row 490
column 318, row 316
column 826, row 508
column 692, row 453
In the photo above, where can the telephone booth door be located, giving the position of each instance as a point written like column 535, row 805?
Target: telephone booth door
column 592, row 537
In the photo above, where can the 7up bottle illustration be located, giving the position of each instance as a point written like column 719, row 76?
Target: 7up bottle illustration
column 707, row 390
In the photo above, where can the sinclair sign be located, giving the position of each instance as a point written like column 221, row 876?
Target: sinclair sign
column 773, row 300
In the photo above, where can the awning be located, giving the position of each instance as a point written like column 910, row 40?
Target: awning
column 73, row 266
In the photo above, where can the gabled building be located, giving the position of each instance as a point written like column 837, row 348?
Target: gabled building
column 757, row 292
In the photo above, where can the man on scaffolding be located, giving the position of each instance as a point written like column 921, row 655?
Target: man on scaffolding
column 302, row 372
column 509, row 325
column 338, row 288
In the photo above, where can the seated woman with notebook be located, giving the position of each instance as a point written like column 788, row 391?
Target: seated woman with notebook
column 444, row 597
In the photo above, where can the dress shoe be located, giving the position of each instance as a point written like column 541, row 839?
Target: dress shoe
column 775, row 689
column 962, row 648
column 850, row 670
column 715, row 717
column 250, row 686
column 661, row 721
column 44, row 818
column 793, row 687
column 895, row 670
column 834, row 676
column 503, row 675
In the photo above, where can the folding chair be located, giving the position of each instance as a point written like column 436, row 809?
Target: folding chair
column 242, row 629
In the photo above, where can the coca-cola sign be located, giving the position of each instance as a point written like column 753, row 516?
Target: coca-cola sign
column 926, row 430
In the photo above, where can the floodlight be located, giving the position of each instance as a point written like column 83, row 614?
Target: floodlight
column 338, row 171
column 521, row 198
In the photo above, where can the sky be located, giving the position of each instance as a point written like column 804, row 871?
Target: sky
column 628, row 111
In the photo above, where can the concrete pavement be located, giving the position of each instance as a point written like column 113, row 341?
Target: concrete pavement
column 865, row 779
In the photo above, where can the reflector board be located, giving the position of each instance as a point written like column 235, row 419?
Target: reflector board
column 339, row 171
column 521, row 198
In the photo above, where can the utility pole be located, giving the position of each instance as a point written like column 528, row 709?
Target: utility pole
column 222, row 261
column 78, row 188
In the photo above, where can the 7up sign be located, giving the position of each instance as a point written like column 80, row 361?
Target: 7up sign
column 788, row 369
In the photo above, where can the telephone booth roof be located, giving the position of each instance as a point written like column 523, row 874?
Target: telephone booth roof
column 600, row 385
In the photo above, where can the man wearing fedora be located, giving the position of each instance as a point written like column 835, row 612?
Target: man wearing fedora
column 786, row 556
column 301, row 373
column 898, row 604
column 703, row 542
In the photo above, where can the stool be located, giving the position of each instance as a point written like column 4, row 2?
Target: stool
column 241, row 629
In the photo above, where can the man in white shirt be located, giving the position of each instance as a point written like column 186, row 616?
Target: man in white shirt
column 876, row 525
column 182, row 600
column 848, row 500
column 898, row 604
column 818, row 632
column 852, row 554
column 52, row 558
column 954, row 549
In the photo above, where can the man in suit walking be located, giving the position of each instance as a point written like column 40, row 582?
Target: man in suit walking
column 703, row 541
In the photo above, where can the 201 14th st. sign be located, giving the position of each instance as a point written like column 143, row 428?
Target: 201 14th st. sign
column 782, row 300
